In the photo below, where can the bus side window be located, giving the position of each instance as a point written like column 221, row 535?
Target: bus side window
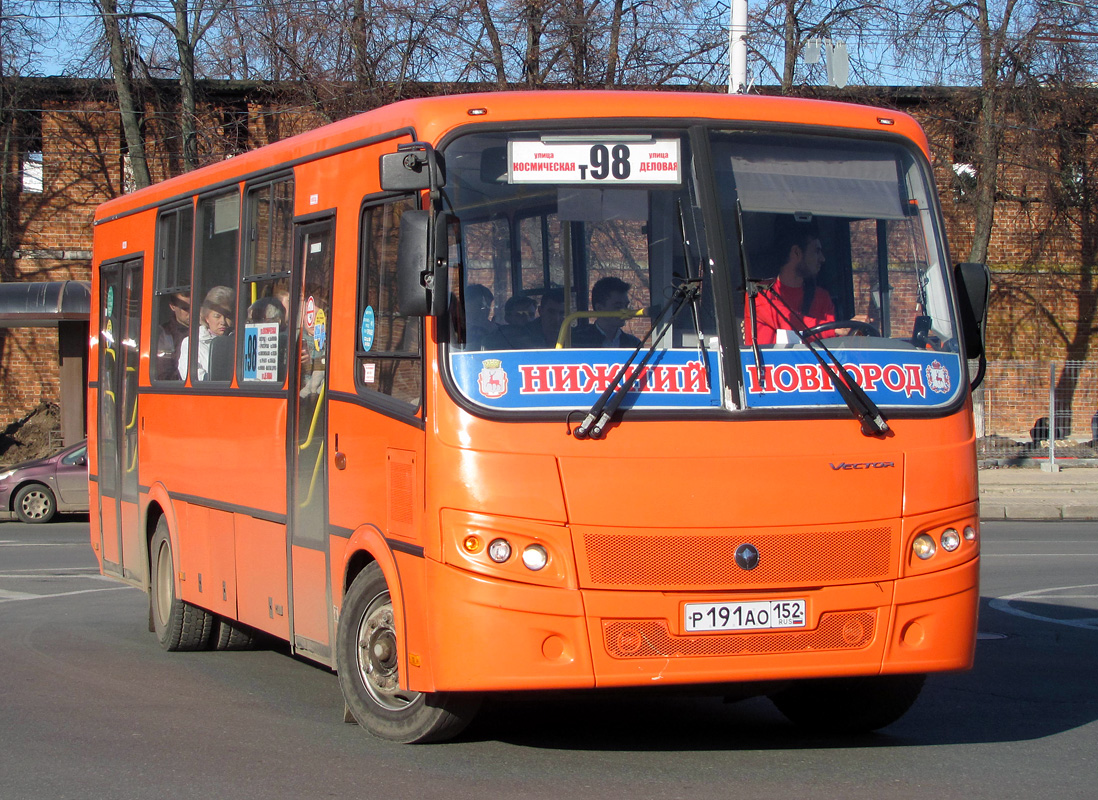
column 388, row 354
column 264, row 303
column 172, row 288
column 217, row 246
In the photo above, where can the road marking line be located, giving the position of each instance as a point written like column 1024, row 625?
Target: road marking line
column 1086, row 623
column 44, row 544
column 25, row 596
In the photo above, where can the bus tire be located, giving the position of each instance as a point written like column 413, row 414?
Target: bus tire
column 848, row 705
column 367, row 650
column 34, row 503
column 231, row 635
column 178, row 625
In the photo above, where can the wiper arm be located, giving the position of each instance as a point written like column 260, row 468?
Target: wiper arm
column 752, row 289
column 703, row 354
column 603, row 409
column 860, row 404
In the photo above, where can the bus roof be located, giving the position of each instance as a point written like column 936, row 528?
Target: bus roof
column 430, row 118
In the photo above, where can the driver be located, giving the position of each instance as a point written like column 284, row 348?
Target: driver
column 794, row 296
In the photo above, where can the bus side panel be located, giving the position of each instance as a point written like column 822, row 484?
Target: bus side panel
column 310, row 594
column 207, row 559
column 261, row 577
column 93, row 520
column 133, row 542
column 108, row 514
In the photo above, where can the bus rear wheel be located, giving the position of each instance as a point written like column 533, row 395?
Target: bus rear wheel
column 848, row 705
column 368, row 659
column 178, row 625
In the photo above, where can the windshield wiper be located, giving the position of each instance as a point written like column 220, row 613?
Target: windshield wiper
column 703, row 354
column 860, row 404
column 603, row 409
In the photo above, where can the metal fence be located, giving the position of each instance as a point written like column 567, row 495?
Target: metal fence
column 1043, row 410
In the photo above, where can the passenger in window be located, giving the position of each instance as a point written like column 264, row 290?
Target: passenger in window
column 171, row 335
column 608, row 294
column 478, row 316
column 793, row 301
column 519, row 310
column 541, row 332
column 215, row 318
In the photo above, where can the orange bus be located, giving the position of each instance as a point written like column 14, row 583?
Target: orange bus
column 555, row 390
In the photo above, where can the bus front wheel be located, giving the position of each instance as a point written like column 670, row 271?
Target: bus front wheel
column 178, row 625
column 368, row 659
column 848, row 705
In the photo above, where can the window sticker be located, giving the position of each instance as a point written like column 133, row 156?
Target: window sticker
column 367, row 328
column 594, row 163
column 261, row 352
column 574, row 378
column 320, row 330
column 793, row 378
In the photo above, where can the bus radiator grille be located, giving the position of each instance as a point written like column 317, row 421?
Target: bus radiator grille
column 649, row 638
column 707, row 561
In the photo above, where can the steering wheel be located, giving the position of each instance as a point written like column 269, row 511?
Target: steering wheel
column 856, row 324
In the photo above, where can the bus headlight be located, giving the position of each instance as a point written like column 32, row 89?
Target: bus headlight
column 924, row 547
column 499, row 550
column 951, row 540
column 535, row 557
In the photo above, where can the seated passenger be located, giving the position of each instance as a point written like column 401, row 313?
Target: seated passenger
column 608, row 294
column 478, row 316
column 541, row 332
column 793, row 299
column 519, row 309
column 215, row 319
column 171, row 336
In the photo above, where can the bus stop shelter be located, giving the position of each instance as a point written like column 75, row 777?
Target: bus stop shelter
column 65, row 305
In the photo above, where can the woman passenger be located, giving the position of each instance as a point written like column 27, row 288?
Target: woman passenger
column 215, row 319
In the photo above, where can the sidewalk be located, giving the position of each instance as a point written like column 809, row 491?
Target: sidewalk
column 1030, row 493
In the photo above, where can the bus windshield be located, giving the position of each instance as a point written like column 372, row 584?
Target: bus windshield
column 570, row 243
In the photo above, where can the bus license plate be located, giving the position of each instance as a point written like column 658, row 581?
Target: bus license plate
column 744, row 616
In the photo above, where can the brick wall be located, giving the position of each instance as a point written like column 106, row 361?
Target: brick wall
column 1041, row 289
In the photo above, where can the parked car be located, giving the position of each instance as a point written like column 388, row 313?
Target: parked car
column 36, row 490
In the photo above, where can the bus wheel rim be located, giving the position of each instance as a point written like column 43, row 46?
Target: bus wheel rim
column 164, row 587
column 377, row 656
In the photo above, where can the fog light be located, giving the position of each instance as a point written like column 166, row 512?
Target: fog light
column 970, row 533
column 499, row 550
column 535, row 557
column 951, row 540
column 924, row 546
column 472, row 544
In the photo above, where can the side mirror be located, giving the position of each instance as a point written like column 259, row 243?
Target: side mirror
column 422, row 282
column 412, row 168
column 973, row 294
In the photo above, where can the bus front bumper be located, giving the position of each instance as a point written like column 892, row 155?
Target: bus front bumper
column 492, row 635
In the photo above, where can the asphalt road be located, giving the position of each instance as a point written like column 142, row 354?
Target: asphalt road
column 91, row 707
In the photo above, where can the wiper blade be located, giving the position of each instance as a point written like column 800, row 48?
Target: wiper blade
column 860, row 404
column 703, row 354
column 603, row 409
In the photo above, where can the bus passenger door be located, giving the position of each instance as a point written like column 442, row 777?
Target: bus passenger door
column 310, row 582
column 119, row 356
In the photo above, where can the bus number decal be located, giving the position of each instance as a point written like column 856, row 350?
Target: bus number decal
column 261, row 352
column 599, row 163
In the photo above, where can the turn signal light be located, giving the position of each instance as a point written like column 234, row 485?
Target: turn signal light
column 472, row 544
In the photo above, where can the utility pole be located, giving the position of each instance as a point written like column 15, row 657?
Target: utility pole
column 737, row 48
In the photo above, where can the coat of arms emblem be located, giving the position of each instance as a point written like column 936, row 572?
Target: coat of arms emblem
column 492, row 379
column 937, row 377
